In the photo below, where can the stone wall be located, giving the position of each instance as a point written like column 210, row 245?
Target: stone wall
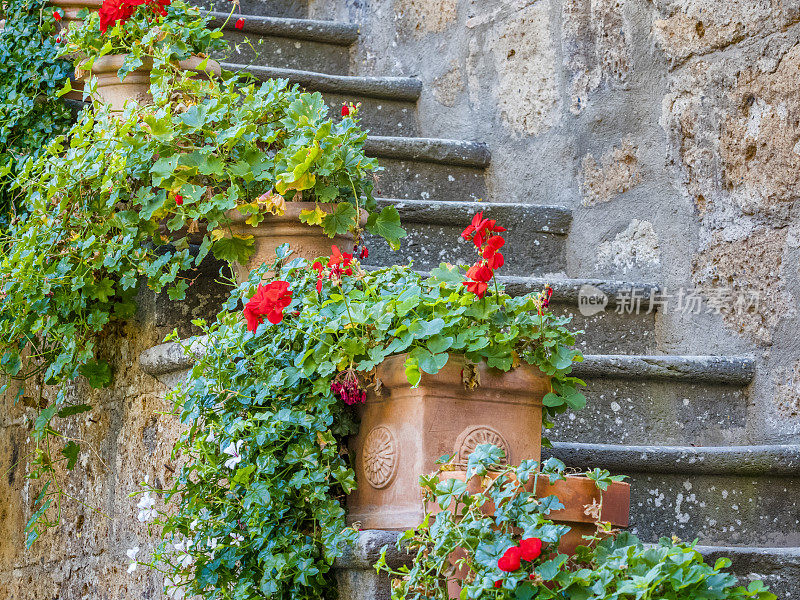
column 671, row 127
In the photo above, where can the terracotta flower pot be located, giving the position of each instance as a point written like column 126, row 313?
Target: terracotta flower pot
column 576, row 493
column 404, row 431
column 306, row 241
column 136, row 86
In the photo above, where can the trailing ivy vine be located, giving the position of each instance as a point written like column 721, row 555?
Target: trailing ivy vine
column 31, row 113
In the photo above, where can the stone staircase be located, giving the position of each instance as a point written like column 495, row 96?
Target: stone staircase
column 676, row 424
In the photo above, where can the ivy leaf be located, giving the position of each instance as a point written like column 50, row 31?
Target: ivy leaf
column 341, row 220
column 75, row 409
column 97, row 372
column 42, row 421
column 70, row 452
column 11, row 363
column 234, row 249
column 386, row 224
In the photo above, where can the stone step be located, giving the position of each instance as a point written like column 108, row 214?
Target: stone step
column 536, row 235
column 679, row 400
column 722, row 496
column 424, row 168
column 295, row 9
column 388, row 104
column 777, row 567
column 303, row 44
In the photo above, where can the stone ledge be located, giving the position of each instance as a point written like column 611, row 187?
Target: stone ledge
column 328, row 32
column 388, row 88
column 771, row 460
column 367, row 550
column 536, row 218
column 448, row 152
column 729, row 370
column 170, row 357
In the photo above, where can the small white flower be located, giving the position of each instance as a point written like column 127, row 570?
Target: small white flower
column 233, row 451
column 146, row 510
column 175, row 589
column 132, row 552
column 237, row 539
column 212, row 544
column 184, row 559
column 211, row 438
column 193, row 525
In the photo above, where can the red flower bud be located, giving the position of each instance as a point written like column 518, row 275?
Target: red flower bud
column 58, row 40
column 178, row 199
column 498, row 583
column 239, row 23
column 364, row 253
column 56, row 15
column 345, row 110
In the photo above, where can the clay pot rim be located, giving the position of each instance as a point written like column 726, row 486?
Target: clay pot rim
column 111, row 63
column 290, row 215
column 461, row 359
column 80, row 3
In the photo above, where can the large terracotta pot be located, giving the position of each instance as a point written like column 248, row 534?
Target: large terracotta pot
column 576, row 493
column 305, row 241
column 404, row 431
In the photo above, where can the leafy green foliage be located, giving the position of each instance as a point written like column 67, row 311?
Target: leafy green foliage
column 100, row 214
column 183, row 32
column 285, row 497
column 464, row 541
column 30, row 77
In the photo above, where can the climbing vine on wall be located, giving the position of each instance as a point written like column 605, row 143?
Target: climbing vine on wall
column 30, row 76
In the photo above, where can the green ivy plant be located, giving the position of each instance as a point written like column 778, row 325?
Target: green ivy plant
column 30, row 77
column 464, row 542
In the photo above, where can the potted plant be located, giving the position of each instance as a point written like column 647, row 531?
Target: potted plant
column 436, row 365
column 494, row 536
column 123, row 42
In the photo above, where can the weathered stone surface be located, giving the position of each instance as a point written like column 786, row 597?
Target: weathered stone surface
column 524, row 60
column 595, row 43
column 616, row 173
column 695, row 27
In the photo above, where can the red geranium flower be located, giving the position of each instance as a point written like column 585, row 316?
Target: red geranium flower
column 531, row 548
column 239, row 23
column 511, row 560
column 498, row 583
column 178, row 199
column 339, row 262
column 345, row 110
column 269, row 300
column 56, row 15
